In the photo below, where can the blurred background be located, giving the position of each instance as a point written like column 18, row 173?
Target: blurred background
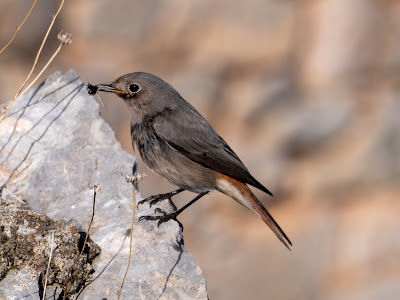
column 305, row 92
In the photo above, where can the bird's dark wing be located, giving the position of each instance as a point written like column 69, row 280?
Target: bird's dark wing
column 189, row 133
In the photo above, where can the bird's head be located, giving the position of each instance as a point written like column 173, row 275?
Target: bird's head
column 144, row 93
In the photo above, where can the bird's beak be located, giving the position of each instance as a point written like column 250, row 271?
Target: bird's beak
column 108, row 87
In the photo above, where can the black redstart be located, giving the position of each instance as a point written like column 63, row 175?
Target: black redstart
column 178, row 144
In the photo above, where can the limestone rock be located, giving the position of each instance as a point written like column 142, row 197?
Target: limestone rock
column 28, row 239
column 54, row 148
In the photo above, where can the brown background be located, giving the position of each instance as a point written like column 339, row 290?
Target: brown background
column 305, row 92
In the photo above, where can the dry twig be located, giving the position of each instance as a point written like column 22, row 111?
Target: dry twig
column 48, row 265
column 132, row 179
column 66, row 41
column 19, row 27
column 95, row 187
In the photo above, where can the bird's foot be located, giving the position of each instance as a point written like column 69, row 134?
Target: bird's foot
column 162, row 219
column 157, row 198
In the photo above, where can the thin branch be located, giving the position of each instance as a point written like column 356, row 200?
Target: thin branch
column 35, row 62
column 19, row 27
column 48, row 265
column 95, row 187
column 41, row 47
column 65, row 38
column 133, row 180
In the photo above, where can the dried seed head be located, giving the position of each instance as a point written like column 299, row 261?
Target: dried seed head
column 65, row 37
column 138, row 177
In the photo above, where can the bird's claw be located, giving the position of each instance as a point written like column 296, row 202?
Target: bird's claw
column 148, row 199
column 160, row 222
column 154, row 199
column 159, row 210
column 161, row 219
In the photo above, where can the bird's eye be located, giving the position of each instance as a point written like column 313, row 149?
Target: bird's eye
column 134, row 88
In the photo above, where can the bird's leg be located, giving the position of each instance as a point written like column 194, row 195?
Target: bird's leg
column 166, row 217
column 157, row 198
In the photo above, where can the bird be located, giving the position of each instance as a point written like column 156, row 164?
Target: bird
column 177, row 143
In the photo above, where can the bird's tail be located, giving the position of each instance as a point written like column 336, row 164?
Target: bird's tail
column 269, row 220
column 242, row 194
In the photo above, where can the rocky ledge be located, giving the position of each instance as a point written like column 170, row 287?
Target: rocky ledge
column 54, row 148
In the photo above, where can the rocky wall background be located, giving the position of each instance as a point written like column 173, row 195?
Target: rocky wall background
column 305, row 92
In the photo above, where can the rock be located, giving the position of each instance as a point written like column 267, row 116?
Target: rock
column 20, row 284
column 54, row 148
column 27, row 238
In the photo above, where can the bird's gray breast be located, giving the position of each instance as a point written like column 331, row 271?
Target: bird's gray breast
column 151, row 148
column 167, row 162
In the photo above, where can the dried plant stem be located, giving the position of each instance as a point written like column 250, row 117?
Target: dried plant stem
column 48, row 265
column 41, row 72
column 96, row 187
column 19, row 27
column 132, row 180
column 34, row 64
column 130, row 244
column 41, row 48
